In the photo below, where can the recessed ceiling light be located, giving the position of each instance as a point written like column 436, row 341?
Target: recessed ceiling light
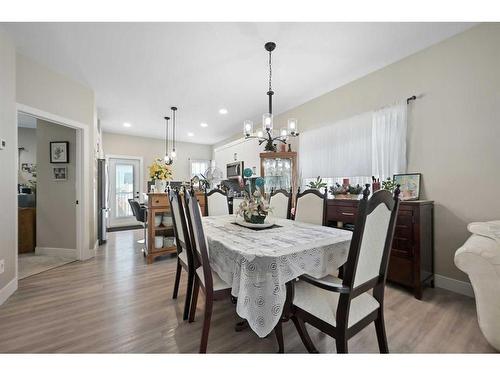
column 190, row 134
column 203, row 124
column 223, row 111
column 127, row 124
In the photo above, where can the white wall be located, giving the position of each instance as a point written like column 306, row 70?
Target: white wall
column 454, row 128
column 55, row 200
column 8, row 167
column 151, row 148
column 41, row 88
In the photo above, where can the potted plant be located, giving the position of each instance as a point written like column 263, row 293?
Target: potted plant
column 160, row 173
column 318, row 184
column 254, row 208
column 389, row 184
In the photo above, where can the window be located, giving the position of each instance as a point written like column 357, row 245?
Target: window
column 370, row 144
column 197, row 167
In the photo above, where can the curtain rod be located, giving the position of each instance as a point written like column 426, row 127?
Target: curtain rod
column 410, row 99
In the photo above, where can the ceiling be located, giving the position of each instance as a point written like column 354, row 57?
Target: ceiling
column 139, row 70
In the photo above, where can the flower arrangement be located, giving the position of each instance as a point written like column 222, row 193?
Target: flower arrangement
column 346, row 191
column 254, row 208
column 159, row 170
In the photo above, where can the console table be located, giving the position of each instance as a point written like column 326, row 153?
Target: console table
column 411, row 261
column 158, row 204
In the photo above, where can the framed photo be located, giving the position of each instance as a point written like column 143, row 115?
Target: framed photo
column 60, row 173
column 410, row 185
column 59, row 152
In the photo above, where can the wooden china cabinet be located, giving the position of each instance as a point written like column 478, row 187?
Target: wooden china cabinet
column 159, row 206
column 279, row 171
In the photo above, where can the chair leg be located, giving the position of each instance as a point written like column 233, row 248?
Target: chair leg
column 206, row 323
column 381, row 336
column 177, row 279
column 194, row 299
column 189, row 293
column 341, row 341
column 304, row 335
column 278, row 330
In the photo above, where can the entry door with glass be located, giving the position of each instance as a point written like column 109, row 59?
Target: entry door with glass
column 124, row 184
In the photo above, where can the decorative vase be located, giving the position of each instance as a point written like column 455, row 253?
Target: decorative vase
column 255, row 219
column 160, row 186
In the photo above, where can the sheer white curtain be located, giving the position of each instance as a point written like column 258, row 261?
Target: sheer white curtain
column 342, row 149
column 370, row 144
column 389, row 141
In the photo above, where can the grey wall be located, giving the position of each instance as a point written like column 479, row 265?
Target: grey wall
column 55, row 203
column 150, row 148
column 454, row 127
column 49, row 91
column 26, row 138
column 8, row 162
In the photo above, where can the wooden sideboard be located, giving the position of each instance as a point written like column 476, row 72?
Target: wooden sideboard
column 411, row 262
column 26, row 218
column 158, row 204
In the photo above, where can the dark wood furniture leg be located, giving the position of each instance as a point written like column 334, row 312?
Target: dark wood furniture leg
column 177, row 279
column 189, row 293
column 194, row 300
column 278, row 330
column 206, row 323
column 381, row 336
column 304, row 335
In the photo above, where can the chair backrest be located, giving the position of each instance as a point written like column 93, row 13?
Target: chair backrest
column 216, row 203
column 281, row 202
column 366, row 266
column 137, row 211
column 197, row 235
column 310, row 207
column 181, row 231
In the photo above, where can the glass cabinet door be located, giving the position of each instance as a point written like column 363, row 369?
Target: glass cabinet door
column 277, row 174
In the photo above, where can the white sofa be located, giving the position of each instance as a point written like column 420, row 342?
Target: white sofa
column 479, row 258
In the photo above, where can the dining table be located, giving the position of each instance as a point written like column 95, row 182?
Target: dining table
column 257, row 263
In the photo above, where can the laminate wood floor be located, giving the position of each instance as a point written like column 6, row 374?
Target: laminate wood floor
column 115, row 303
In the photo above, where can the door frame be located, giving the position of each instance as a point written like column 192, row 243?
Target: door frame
column 141, row 172
column 82, row 184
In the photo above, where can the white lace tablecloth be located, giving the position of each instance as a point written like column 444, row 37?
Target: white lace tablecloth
column 258, row 264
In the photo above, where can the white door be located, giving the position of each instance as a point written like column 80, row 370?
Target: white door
column 124, row 184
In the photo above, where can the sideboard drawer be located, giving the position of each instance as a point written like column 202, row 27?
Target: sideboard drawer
column 400, row 270
column 159, row 200
column 345, row 214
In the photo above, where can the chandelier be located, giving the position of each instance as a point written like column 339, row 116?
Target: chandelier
column 170, row 155
column 267, row 132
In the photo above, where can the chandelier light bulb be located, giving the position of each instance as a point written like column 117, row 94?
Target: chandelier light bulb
column 284, row 132
column 173, row 153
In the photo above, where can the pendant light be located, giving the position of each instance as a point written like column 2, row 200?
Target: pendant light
column 174, row 153
column 266, row 134
column 168, row 159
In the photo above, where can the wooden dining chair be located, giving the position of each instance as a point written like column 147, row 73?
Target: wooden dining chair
column 342, row 308
column 185, row 259
column 210, row 283
column 310, row 207
column 217, row 203
column 281, row 202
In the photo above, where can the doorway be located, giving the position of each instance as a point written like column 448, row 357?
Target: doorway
column 47, row 195
column 125, row 182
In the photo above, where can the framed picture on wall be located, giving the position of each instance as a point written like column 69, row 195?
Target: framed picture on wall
column 410, row 185
column 60, row 173
column 59, row 152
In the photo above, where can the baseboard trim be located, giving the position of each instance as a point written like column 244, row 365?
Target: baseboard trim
column 457, row 286
column 57, row 251
column 8, row 290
